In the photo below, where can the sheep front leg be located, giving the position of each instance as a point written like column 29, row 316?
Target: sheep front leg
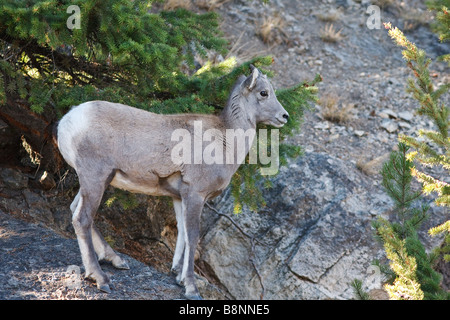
column 192, row 209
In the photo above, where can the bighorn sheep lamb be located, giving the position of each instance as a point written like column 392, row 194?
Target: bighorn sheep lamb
column 132, row 149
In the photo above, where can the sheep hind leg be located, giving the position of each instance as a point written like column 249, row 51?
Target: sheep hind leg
column 82, row 219
column 101, row 247
column 192, row 209
column 105, row 252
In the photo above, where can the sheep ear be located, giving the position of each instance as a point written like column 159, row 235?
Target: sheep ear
column 251, row 80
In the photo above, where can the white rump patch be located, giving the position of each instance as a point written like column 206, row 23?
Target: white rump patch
column 73, row 125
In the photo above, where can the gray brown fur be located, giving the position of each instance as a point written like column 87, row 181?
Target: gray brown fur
column 109, row 143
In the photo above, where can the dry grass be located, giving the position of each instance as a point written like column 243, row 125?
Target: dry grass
column 373, row 166
column 176, row 4
column 414, row 18
column 384, row 3
column 271, row 30
column 331, row 15
column 330, row 34
column 210, row 5
column 244, row 50
column 333, row 110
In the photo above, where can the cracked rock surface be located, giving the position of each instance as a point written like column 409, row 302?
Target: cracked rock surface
column 310, row 241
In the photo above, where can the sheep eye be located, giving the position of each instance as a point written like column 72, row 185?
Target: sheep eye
column 264, row 93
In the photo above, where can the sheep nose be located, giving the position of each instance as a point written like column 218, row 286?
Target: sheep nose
column 286, row 116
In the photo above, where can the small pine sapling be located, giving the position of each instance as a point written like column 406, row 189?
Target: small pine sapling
column 415, row 277
column 432, row 147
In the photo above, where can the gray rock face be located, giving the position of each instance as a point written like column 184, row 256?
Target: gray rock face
column 314, row 235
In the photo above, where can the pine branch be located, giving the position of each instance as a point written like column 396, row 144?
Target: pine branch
column 415, row 277
column 406, row 285
column 359, row 292
column 430, row 106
